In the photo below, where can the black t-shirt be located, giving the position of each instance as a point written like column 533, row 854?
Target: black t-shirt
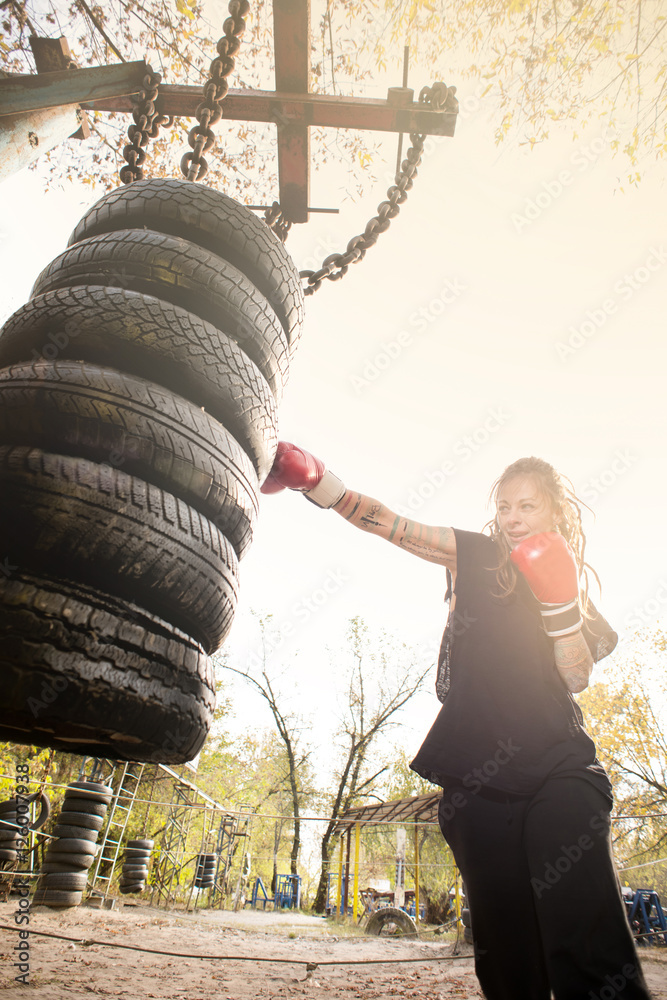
column 507, row 720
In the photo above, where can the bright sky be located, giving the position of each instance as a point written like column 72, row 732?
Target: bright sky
column 515, row 307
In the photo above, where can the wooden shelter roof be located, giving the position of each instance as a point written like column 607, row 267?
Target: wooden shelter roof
column 417, row 809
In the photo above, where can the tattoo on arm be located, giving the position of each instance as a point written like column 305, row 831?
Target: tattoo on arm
column 368, row 519
column 348, row 517
column 433, row 544
column 425, row 541
column 573, row 661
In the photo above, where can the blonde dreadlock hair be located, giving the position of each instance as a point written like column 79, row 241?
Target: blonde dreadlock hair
column 567, row 516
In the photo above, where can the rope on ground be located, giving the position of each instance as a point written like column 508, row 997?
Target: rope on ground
column 310, row 964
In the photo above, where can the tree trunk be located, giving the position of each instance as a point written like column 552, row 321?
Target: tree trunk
column 319, row 906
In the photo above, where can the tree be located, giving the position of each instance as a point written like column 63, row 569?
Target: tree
column 627, row 717
column 179, row 41
column 381, row 679
column 251, row 771
column 570, row 61
column 289, row 727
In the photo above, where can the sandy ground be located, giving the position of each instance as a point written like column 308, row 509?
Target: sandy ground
column 62, row 969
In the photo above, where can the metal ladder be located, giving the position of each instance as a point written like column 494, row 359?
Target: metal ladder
column 119, row 814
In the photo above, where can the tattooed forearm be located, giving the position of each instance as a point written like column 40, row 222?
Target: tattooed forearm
column 434, row 544
column 573, row 661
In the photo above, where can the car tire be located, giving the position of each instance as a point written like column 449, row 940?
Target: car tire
column 125, row 684
column 212, row 220
column 100, row 526
column 177, row 271
column 158, row 342
column 78, row 832
column 79, row 812
column 390, row 920
column 80, row 409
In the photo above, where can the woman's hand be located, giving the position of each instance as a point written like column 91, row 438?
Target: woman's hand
column 296, row 469
column 549, row 566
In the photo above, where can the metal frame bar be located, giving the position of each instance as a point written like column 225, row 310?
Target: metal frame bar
column 313, row 110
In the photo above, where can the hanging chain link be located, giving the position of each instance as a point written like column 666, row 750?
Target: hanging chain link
column 209, row 112
column 147, row 123
column 439, row 97
column 276, row 221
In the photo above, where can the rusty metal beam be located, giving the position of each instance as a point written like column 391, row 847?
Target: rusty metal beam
column 36, row 92
column 291, row 41
column 323, row 110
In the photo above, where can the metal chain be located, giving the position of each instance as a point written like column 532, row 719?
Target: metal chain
column 439, row 97
column 276, row 221
column 209, row 112
column 147, row 123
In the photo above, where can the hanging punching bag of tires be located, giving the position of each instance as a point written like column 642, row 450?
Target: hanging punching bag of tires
column 138, row 417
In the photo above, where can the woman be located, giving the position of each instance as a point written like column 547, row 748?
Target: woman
column 526, row 805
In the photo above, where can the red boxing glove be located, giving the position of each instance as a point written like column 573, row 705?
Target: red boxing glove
column 548, row 564
column 271, row 484
column 297, row 469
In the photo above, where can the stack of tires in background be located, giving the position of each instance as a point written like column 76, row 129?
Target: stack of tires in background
column 14, row 824
column 9, row 832
column 205, row 871
column 64, row 873
column 138, row 416
column 135, row 866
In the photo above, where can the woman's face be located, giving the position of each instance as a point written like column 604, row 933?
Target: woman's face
column 523, row 509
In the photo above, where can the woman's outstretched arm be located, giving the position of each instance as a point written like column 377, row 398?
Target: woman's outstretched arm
column 437, row 545
column 297, row 469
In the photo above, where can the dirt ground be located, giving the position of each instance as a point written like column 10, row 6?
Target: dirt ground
column 63, row 969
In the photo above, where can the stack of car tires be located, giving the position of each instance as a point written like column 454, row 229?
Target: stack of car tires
column 64, row 873
column 15, row 824
column 205, row 871
column 138, row 416
column 135, row 866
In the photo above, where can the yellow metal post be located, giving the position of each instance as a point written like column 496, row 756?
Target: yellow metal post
column 355, row 897
column 416, row 872
column 339, row 886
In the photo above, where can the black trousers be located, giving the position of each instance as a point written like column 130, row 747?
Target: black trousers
column 545, row 903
